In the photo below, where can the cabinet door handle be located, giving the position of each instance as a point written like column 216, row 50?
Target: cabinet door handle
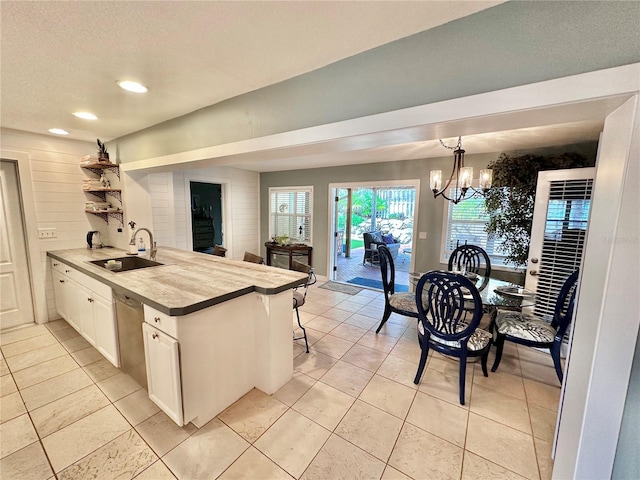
column 67, row 271
column 156, row 319
column 56, row 264
column 154, row 336
column 61, row 281
column 90, row 300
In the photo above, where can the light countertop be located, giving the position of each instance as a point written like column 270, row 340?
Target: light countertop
column 186, row 282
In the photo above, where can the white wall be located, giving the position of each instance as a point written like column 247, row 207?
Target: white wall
column 58, row 197
column 170, row 203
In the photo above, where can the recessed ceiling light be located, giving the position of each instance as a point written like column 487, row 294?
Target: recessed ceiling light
column 134, row 87
column 85, row 115
column 58, row 131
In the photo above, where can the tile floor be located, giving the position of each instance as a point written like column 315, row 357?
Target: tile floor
column 350, row 411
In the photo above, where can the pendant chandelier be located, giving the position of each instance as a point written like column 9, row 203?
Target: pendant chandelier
column 460, row 179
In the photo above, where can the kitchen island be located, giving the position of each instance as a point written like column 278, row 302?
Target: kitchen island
column 213, row 328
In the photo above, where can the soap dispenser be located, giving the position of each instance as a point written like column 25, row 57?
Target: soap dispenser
column 142, row 249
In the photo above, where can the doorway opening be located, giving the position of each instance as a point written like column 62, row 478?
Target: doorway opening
column 206, row 216
column 364, row 215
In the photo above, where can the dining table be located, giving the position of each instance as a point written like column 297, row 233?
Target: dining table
column 495, row 293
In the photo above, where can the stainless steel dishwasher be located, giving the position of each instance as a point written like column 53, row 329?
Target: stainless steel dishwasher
column 130, row 315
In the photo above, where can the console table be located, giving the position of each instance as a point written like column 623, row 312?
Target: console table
column 290, row 250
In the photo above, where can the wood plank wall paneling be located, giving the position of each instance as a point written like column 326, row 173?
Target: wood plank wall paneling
column 58, row 197
column 169, row 198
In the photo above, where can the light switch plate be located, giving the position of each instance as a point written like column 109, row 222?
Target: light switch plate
column 422, row 235
column 47, row 233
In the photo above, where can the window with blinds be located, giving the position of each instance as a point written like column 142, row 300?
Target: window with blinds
column 565, row 231
column 465, row 223
column 290, row 212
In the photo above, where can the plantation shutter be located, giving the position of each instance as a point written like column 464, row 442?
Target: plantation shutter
column 565, row 230
column 290, row 213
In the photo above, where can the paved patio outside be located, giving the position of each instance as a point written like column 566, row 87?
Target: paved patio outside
column 352, row 267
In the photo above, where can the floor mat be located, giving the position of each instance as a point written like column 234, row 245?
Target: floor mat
column 368, row 282
column 341, row 287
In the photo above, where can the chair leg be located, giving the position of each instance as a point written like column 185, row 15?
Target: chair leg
column 304, row 332
column 483, row 361
column 463, row 372
column 423, row 360
column 385, row 317
column 555, row 354
column 499, row 348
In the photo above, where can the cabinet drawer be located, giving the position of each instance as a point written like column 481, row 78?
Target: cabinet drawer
column 163, row 322
column 58, row 266
column 96, row 286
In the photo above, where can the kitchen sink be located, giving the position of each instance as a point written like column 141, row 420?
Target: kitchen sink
column 122, row 264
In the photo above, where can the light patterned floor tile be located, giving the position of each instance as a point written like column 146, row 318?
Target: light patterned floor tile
column 500, row 381
column 11, row 406
column 500, row 407
column 87, row 356
column 543, row 422
column 73, row 442
column 337, row 314
column 314, row 364
column 22, row 333
column 292, row 442
column 364, row 357
column 391, row 473
column 347, row 378
column 444, row 419
column 543, row 455
column 57, row 324
column 74, row 344
column 29, row 344
column 416, row 449
column 362, row 321
column 162, row 433
column 124, row 457
column 34, row 357
column 340, row 460
column 4, row 369
column 16, row 434
column 137, row 407
column 157, row 471
column 444, row 387
column 100, row 370
column 333, row 346
column 371, row 429
column 475, row 467
column 253, row 414
column 384, row 343
column 347, row 332
column 207, row 453
column 509, row 448
column 542, row 395
column 399, row 370
column 44, row 371
column 7, row 385
column 349, row 306
column 392, row 330
column 324, row 405
column 55, row 388
column 390, row 396
column 291, row 392
column 118, row 386
column 66, row 410
column 29, row 463
column 65, row 333
column 322, row 324
column 254, row 465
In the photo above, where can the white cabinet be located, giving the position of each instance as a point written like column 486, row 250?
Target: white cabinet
column 162, row 359
column 87, row 305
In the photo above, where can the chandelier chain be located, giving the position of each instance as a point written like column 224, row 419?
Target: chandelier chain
column 458, row 146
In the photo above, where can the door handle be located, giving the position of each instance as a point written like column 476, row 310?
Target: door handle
column 533, row 272
column 534, row 260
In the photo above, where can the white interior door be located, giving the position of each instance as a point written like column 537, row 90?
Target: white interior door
column 558, row 232
column 16, row 304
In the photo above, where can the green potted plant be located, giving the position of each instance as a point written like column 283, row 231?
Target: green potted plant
column 511, row 209
column 103, row 154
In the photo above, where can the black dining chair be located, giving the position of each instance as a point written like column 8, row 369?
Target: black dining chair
column 529, row 330
column 470, row 258
column 300, row 295
column 444, row 324
column 401, row 303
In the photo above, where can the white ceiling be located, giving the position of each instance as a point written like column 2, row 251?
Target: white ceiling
column 61, row 57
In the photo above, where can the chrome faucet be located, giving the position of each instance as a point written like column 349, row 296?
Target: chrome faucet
column 153, row 249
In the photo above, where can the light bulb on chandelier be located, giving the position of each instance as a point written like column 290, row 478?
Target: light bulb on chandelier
column 463, row 178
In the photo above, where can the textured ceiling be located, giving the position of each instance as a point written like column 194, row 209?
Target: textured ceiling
column 61, row 57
